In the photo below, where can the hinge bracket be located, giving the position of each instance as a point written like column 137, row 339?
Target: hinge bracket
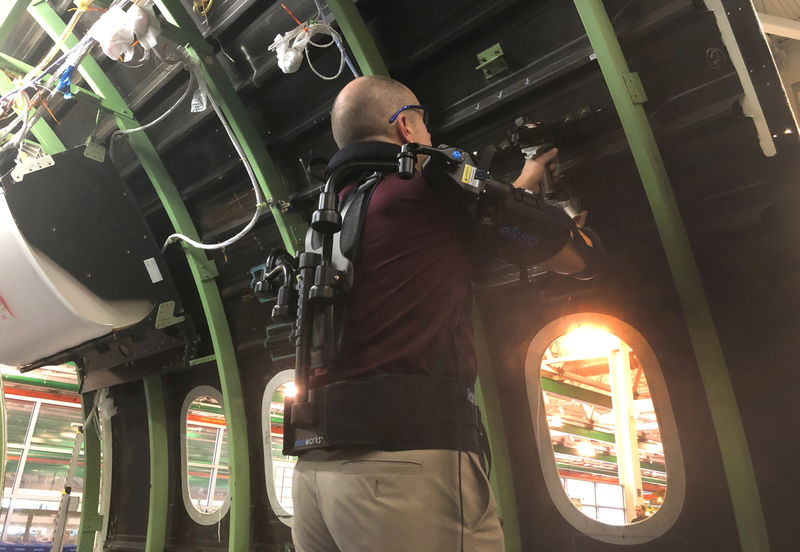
column 635, row 89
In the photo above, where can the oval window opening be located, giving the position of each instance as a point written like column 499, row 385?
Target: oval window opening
column 206, row 469
column 595, row 410
column 603, row 426
column 279, row 469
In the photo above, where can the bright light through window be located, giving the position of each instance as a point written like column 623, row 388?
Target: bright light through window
column 603, row 426
column 278, row 469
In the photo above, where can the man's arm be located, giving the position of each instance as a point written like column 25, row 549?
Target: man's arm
column 568, row 260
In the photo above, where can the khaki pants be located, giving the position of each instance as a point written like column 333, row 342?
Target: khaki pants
column 358, row 500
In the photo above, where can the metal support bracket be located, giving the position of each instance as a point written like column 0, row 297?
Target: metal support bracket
column 32, row 159
column 94, row 151
column 491, row 61
column 166, row 315
column 634, row 86
column 202, row 360
column 206, row 267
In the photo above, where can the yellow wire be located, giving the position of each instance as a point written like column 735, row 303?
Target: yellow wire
column 82, row 5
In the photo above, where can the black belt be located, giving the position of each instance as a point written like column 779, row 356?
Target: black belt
column 389, row 412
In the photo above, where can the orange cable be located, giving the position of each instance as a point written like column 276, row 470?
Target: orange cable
column 299, row 24
column 44, row 103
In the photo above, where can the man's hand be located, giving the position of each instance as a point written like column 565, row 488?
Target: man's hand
column 533, row 171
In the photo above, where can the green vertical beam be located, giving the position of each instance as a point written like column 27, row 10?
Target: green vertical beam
column 10, row 13
column 47, row 139
column 488, row 400
column 291, row 228
column 358, row 38
column 203, row 276
column 736, row 459
column 91, row 520
column 159, row 467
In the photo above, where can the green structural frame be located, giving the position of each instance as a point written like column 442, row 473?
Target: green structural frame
column 292, row 230
column 159, row 479
column 91, row 521
column 501, row 477
column 628, row 95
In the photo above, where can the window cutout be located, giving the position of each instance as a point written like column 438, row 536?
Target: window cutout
column 605, row 430
column 204, row 459
column 278, row 469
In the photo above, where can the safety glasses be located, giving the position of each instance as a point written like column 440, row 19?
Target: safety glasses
column 420, row 107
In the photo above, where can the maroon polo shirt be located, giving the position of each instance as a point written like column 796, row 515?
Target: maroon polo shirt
column 409, row 307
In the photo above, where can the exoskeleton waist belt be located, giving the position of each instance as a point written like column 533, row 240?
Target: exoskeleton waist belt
column 388, row 412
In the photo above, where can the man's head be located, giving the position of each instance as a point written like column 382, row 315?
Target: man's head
column 640, row 511
column 363, row 108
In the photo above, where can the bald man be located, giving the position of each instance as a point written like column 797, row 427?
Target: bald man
column 408, row 313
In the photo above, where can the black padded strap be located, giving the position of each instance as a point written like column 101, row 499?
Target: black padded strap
column 354, row 215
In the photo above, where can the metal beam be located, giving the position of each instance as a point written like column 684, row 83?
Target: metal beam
column 291, row 228
column 611, row 459
column 38, row 382
column 627, row 441
column 207, row 288
column 159, row 469
column 357, row 36
column 577, row 393
column 292, row 232
column 10, row 13
column 779, row 26
column 608, row 473
column 725, row 414
column 91, row 520
column 488, row 400
column 185, row 36
column 579, row 431
column 750, row 103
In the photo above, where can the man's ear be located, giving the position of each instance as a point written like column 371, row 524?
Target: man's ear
column 404, row 131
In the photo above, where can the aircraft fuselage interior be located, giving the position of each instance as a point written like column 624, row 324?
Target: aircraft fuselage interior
column 179, row 270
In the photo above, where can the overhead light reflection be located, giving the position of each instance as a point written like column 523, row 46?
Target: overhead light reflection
column 587, row 342
column 585, row 449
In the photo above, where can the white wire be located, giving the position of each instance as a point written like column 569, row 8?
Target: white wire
column 338, row 39
column 155, row 121
column 260, row 204
column 334, row 37
column 163, row 115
